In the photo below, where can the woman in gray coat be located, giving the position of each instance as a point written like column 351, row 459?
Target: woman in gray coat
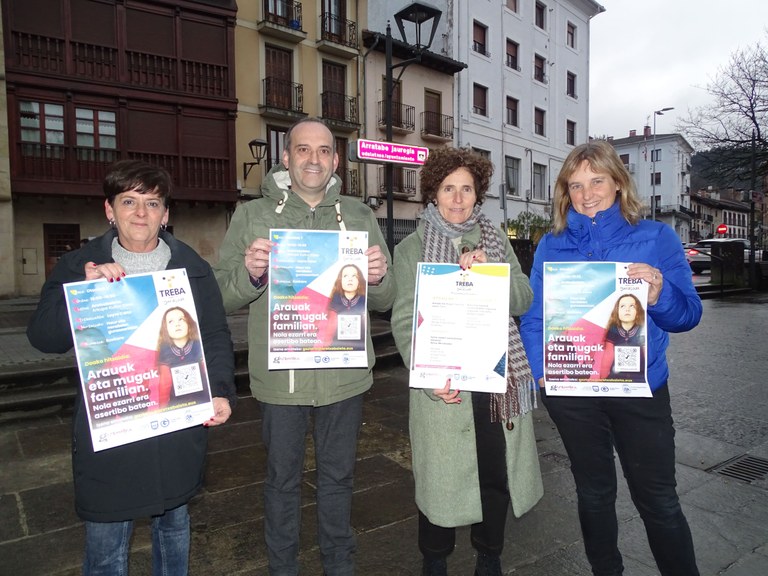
column 473, row 452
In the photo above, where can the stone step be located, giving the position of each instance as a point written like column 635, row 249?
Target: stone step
column 36, row 385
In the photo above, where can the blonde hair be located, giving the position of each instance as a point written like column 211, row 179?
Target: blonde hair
column 603, row 159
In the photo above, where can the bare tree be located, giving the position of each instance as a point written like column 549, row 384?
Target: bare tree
column 725, row 128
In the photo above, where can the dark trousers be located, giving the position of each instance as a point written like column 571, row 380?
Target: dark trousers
column 486, row 536
column 335, row 434
column 641, row 431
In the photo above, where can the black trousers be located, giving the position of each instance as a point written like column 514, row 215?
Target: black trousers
column 486, row 536
column 642, row 433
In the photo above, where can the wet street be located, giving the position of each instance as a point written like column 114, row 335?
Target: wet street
column 719, row 399
column 718, row 372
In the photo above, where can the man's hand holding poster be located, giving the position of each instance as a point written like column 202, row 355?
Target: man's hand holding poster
column 595, row 330
column 318, row 283
column 140, row 356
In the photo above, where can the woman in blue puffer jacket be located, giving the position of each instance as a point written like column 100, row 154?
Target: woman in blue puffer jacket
column 596, row 218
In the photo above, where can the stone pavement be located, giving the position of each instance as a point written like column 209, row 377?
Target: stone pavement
column 719, row 402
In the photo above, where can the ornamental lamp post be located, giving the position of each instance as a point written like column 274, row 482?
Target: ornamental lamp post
column 418, row 14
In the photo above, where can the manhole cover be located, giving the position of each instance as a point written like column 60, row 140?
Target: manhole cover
column 744, row 468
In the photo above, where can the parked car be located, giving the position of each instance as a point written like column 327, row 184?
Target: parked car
column 699, row 254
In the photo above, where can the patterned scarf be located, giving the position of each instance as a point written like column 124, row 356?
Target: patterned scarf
column 438, row 246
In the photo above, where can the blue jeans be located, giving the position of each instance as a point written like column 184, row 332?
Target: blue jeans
column 335, row 433
column 642, row 432
column 107, row 544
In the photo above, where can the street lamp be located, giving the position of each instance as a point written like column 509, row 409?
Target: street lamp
column 258, row 149
column 418, row 14
column 653, row 161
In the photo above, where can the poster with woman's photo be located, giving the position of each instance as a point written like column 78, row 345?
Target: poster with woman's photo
column 140, row 356
column 595, row 336
column 317, row 299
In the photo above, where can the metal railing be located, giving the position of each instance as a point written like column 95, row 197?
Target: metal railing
column 403, row 183
column 283, row 94
column 351, row 185
column 436, row 124
column 338, row 106
column 403, row 116
column 338, row 30
column 480, row 48
column 283, row 12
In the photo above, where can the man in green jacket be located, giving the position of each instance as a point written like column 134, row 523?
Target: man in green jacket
column 303, row 193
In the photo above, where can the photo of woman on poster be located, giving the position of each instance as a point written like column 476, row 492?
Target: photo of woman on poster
column 624, row 350
column 348, row 301
column 180, row 360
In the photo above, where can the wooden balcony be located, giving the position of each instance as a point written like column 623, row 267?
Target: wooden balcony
column 104, row 64
column 43, row 169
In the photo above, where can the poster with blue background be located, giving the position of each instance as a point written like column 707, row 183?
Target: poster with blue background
column 595, row 336
column 318, row 281
column 125, row 333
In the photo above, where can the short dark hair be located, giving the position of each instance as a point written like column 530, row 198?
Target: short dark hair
column 139, row 176
column 443, row 161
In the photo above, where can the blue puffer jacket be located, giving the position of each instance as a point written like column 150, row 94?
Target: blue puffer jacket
column 608, row 237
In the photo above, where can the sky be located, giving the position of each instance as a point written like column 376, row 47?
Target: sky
column 650, row 54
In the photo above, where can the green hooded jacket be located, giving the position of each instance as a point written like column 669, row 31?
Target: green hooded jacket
column 280, row 207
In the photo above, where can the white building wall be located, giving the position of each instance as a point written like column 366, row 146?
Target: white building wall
column 491, row 132
column 673, row 165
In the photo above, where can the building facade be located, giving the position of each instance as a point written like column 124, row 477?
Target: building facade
column 661, row 167
column 713, row 208
column 524, row 98
column 297, row 60
column 91, row 82
column 526, row 101
column 422, row 116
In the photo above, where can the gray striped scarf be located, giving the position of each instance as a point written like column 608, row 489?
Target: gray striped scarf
column 438, row 246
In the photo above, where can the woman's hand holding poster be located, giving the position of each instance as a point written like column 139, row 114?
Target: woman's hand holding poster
column 141, row 360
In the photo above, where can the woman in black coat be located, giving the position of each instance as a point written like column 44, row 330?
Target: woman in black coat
column 155, row 477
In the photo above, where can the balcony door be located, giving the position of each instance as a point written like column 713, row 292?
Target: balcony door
column 397, row 105
column 336, row 13
column 279, row 76
column 275, row 145
column 334, row 90
column 342, row 168
column 432, row 107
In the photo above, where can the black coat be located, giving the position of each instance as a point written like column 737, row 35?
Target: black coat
column 147, row 477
